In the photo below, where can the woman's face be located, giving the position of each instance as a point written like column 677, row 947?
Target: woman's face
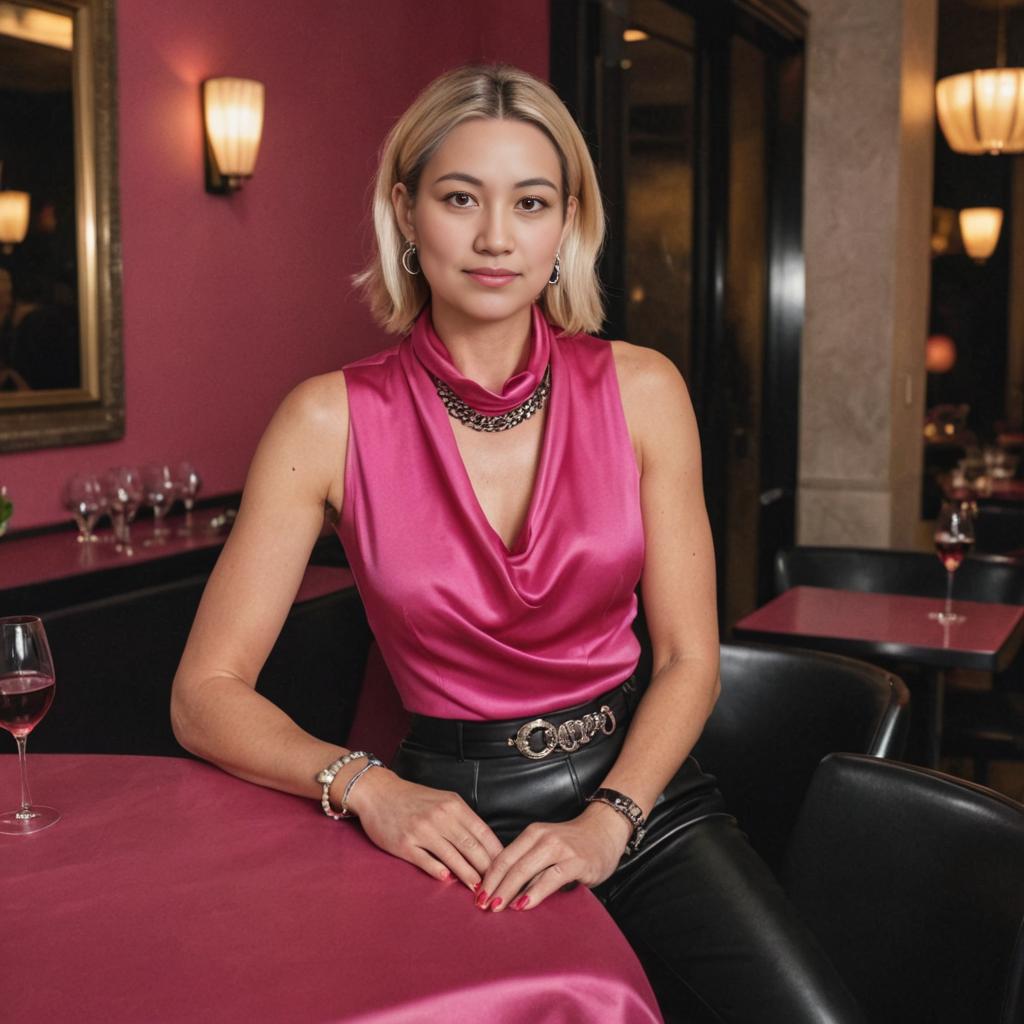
column 488, row 219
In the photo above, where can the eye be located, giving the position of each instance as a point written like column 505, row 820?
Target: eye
column 532, row 204
column 460, row 200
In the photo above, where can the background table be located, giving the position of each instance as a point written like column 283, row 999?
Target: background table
column 171, row 891
column 893, row 627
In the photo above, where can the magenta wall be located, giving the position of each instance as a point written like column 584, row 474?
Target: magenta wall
column 228, row 303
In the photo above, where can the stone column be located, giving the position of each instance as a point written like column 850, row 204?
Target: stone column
column 867, row 224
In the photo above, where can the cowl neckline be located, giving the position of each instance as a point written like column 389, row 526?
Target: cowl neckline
column 430, row 350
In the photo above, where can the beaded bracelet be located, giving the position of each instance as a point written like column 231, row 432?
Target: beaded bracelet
column 328, row 775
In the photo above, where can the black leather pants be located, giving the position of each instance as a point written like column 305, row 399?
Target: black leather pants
column 715, row 933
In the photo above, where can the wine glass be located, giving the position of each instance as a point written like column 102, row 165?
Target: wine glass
column 954, row 535
column 123, row 488
column 84, row 498
column 159, row 490
column 26, row 693
column 188, row 483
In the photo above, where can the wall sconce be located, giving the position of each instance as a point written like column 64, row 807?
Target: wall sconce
column 14, row 208
column 233, row 124
column 979, row 229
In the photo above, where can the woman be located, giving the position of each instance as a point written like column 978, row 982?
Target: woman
column 503, row 482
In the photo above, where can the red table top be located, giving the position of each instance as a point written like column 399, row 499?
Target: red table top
column 890, row 625
column 55, row 556
column 170, row 891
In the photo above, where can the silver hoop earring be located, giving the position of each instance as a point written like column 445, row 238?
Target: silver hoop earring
column 410, row 253
column 556, row 273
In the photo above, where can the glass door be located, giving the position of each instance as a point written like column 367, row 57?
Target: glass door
column 694, row 112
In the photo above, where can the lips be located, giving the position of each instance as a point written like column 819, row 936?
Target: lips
column 492, row 277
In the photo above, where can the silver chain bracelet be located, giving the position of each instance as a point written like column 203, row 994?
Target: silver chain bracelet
column 330, row 773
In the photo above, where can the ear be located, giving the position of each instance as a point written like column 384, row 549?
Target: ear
column 571, row 206
column 402, row 204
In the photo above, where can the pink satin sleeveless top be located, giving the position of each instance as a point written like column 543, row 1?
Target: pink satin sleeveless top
column 468, row 628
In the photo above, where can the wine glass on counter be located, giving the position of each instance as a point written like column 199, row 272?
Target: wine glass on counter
column 188, row 482
column 159, row 491
column 123, row 488
column 954, row 535
column 85, row 499
column 26, row 692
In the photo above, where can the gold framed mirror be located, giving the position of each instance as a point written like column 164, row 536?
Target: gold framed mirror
column 61, row 357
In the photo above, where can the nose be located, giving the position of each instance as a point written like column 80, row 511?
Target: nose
column 495, row 236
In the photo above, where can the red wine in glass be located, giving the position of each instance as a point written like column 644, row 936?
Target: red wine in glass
column 954, row 535
column 951, row 550
column 24, row 699
column 26, row 693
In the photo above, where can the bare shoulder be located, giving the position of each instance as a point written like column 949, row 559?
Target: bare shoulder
column 317, row 404
column 654, row 396
column 306, row 442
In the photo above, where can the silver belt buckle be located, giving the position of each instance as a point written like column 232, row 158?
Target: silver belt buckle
column 568, row 736
column 522, row 739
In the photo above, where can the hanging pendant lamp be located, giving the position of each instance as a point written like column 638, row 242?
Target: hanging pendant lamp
column 982, row 111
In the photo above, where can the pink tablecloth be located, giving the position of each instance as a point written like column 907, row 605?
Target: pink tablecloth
column 171, row 891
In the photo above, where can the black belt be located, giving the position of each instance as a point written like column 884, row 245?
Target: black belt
column 552, row 734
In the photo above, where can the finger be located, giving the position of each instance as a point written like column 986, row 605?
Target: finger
column 425, row 862
column 556, row 878
column 545, row 855
column 470, row 848
column 505, row 862
column 452, row 858
column 490, row 842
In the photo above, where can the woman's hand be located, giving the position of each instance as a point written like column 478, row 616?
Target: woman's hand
column 433, row 829
column 547, row 856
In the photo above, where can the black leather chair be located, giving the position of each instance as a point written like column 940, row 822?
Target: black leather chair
column 882, row 571
column 999, row 530
column 981, row 725
column 780, row 712
column 115, row 660
column 912, row 882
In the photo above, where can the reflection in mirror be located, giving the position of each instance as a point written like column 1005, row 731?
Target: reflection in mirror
column 39, row 336
column 60, row 352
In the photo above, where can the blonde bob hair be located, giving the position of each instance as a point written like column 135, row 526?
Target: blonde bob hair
column 492, row 91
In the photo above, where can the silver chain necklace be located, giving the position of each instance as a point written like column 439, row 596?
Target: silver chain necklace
column 459, row 410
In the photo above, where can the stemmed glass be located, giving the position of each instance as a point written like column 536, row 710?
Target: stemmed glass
column 84, row 498
column 160, row 490
column 26, row 693
column 188, row 483
column 954, row 535
column 123, row 487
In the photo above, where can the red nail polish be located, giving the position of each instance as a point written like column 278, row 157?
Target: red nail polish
column 445, row 875
column 520, row 902
column 475, row 887
column 481, row 899
column 495, row 903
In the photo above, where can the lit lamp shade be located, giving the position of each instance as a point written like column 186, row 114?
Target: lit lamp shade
column 939, row 354
column 13, row 218
column 983, row 111
column 979, row 229
column 233, row 116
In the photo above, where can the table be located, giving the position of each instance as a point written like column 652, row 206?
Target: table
column 49, row 569
column 895, row 627
column 171, row 891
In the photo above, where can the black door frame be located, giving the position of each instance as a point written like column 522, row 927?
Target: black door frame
column 586, row 55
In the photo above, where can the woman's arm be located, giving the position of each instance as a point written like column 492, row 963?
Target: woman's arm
column 215, row 709
column 678, row 587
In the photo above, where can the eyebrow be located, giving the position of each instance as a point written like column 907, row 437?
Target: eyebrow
column 470, row 180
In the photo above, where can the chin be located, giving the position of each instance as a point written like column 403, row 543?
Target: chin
column 490, row 307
